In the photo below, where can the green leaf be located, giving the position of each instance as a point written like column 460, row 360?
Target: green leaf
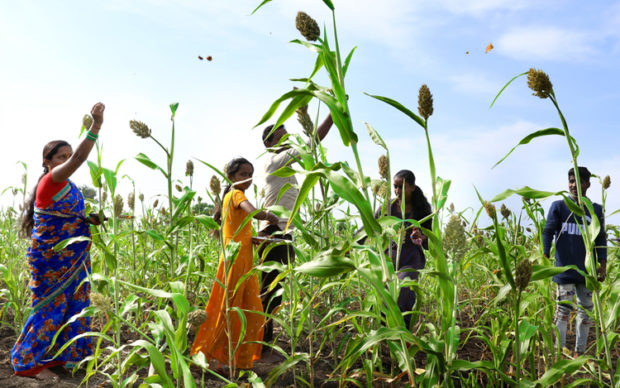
column 313, row 47
column 259, row 6
column 142, row 158
column 304, row 190
column 401, row 108
column 244, row 324
column 560, row 369
column 183, row 203
column 72, row 240
column 327, row 266
column 340, row 116
column 207, row 221
column 505, row 86
column 345, row 67
column 572, row 206
column 540, row 272
column 297, row 102
column 274, row 106
column 526, row 192
column 350, row 193
column 157, row 360
column 595, row 225
column 442, row 186
column 530, row 137
column 110, row 179
column 283, row 367
column 329, row 4
column 155, row 235
column 173, row 108
column 181, row 303
column 95, row 174
column 374, row 135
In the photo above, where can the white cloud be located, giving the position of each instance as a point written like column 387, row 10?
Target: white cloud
column 546, row 43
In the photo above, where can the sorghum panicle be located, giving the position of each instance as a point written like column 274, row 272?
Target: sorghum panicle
column 141, row 197
column 606, row 182
column 131, row 200
column 304, row 119
column 490, row 208
column 307, row 26
column 384, row 167
column 87, row 121
column 215, row 186
column 523, row 275
column 425, row 102
column 505, row 211
column 179, row 188
column 195, row 319
column 189, row 168
column 140, row 129
column 376, row 187
column 118, row 205
column 102, row 302
column 455, row 239
column 539, row 82
column 155, row 203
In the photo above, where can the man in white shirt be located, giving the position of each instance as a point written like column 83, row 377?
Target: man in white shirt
column 277, row 158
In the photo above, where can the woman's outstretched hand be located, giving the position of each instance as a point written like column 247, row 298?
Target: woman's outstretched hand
column 272, row 218
column 97, row 113
column 93, row 219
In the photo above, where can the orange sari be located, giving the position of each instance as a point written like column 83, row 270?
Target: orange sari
column 212, row 336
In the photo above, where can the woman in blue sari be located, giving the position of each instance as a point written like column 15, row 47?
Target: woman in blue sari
column 58, row 278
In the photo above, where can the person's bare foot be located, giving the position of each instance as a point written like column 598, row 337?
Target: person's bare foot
column 47, row 374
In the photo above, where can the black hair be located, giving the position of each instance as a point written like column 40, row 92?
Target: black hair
column 49, row 151
column 419, row 204
column 584, row 173
column 268, row 133
column 230, row 170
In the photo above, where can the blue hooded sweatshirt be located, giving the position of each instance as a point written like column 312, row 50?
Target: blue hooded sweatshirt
column 569, row 246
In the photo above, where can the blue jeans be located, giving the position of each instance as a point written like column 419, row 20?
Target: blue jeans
column 566, row 293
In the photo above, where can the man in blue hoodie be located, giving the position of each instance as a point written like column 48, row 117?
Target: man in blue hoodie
column 563, row 226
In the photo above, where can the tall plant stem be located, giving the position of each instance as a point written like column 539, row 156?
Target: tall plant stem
column 169, row 158
column 517, row 347
column 346, row 104
column 590, row 262
column 431, row 162
column 338, row 58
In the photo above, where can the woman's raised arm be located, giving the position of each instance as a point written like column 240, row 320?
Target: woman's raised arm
column 65, row 170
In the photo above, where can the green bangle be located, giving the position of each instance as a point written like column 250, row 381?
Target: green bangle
column 91, row 136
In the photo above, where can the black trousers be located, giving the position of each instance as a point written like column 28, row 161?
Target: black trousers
column 281, row 253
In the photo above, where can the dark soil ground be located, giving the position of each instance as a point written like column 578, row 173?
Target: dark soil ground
column 473, row 350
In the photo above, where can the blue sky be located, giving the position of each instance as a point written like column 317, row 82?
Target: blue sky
column 59, row 58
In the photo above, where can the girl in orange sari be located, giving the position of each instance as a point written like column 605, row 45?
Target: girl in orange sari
column 212, row 338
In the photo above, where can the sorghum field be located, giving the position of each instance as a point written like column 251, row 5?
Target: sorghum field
column 485, row 301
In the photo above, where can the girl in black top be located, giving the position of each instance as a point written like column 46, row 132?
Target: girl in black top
column 411, row 251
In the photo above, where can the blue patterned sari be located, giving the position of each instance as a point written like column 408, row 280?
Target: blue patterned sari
column 57, row 286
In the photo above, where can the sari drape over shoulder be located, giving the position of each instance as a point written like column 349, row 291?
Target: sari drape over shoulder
column 59, row 286
column 212, row 336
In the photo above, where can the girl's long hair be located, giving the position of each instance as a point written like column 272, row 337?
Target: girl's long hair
column 230, row 170
column 419, row 204
column 49, row 151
